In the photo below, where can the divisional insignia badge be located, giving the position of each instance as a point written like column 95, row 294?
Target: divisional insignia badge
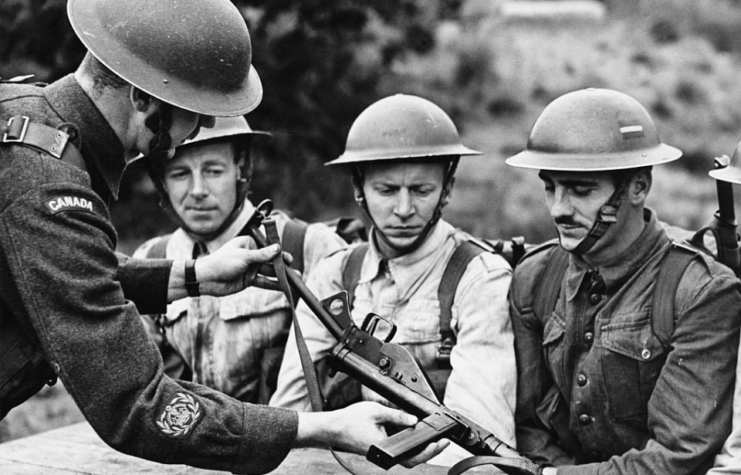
column 180, row 416
column 630, row 130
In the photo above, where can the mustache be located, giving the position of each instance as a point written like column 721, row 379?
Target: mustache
column 565, row 220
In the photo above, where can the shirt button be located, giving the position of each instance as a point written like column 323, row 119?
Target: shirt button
column 589, row 337
column 581, row 380
column 595, row 298
column 585, row 420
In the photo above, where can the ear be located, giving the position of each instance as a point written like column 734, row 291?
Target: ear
column 142, row 101
column 640, row 186
column 447, row 192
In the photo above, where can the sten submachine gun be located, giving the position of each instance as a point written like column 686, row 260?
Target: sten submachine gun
column 392, row 371
column 723, row 226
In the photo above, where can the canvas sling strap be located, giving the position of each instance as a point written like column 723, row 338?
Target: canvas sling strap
column 312, row 383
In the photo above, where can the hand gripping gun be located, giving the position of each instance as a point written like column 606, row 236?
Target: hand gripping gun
column 392, row 371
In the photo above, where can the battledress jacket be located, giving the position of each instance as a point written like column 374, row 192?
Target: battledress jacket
column 597, row 391
column 59, row 275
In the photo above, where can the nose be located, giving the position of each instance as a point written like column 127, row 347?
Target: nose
column 560, row 205
column 207, row 121
column 404, row 207
column 198, row 188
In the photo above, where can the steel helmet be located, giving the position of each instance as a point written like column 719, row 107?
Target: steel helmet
column 223, row 127
column 401, row 126
column 731, row 172
column 193, row 54
column 594, row 130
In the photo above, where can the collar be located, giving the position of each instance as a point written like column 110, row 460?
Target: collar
column 409, row 268
column 183, row 242
column 100, row 145
column 623, row 266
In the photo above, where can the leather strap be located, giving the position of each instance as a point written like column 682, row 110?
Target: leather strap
column 191, row 282
column 506, row 464
column 20, row 130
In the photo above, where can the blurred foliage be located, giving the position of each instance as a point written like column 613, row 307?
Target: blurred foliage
column 322, row 63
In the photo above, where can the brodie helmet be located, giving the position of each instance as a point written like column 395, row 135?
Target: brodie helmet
column 399, row 127
column 728, row 170
column 193, row 54
column 595, row 130
column 402, row 127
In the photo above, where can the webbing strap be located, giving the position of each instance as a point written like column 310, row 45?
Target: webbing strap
column 294, row 236
column 508, row 465
column 548, row 287
column 312, row 382
column 351, row 272
column 454, row 270
column 672, row 269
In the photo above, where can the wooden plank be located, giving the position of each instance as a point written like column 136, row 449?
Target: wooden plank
column 76, row 449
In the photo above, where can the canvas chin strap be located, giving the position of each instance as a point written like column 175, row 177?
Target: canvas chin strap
column 607, row 216
column 441, row 202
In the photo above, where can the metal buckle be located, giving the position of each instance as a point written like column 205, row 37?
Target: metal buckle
column 22, row 135
column 444, row 349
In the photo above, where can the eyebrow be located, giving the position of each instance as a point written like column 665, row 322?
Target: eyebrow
column 571, row 181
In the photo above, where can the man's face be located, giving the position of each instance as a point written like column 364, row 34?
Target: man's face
column 201, row 182
column 574, row 200
column 401, row 199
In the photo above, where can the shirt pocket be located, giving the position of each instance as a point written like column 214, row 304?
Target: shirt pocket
column 553, row 348
column 632, row 361
column 251, row 302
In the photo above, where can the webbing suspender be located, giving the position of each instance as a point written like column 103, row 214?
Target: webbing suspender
column 454, row 270
column 673, row 266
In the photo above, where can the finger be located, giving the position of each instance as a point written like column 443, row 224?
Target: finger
column 265, row 283
column 266, row 254
column 287, row 258
column 267, row 269
column 396, row 417
column 430, row 451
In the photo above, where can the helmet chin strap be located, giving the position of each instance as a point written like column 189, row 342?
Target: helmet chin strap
column 441, row 202
column 606, row 217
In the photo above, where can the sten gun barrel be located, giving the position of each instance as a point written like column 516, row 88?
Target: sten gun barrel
column 392, row 371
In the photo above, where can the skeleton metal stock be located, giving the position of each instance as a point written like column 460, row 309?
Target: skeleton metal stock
column 723, row 226
column 392, row 371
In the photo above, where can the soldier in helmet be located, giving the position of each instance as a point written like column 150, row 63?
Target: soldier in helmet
column 204, row 189
column 626, row 341
column 154, row 72
column 402, row 152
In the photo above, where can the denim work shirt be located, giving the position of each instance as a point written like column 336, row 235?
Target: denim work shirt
column 235, row 343
column 632, row 406
column 59, row 276
column 403, row 290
